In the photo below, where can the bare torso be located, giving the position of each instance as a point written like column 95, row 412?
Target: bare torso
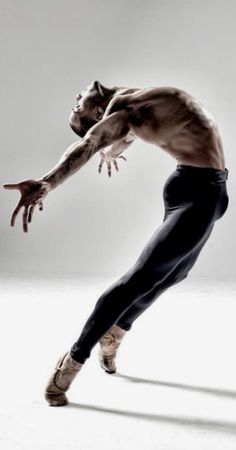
column 174, row 121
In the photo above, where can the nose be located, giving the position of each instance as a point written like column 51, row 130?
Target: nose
column 78, row 97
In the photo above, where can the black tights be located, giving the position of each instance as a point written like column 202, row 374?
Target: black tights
column 194, row 198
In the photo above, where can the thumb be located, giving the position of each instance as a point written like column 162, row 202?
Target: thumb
column 11, row 186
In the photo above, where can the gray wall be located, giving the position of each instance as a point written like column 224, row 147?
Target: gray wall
column 52, row 49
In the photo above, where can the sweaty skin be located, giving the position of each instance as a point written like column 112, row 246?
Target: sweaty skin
column 168, row 117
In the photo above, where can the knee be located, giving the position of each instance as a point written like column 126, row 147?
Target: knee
column 180, row 277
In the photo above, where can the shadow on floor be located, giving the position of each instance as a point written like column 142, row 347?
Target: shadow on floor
column 201, row 389
column 194, row 422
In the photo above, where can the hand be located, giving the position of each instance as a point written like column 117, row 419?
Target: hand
column 32, row 193
column 108, row 158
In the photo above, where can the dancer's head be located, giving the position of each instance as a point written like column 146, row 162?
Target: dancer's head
column 90, row 106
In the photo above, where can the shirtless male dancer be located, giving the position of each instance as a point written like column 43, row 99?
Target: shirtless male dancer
column 195, row 197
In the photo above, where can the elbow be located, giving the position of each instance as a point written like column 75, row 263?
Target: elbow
column 90, row 144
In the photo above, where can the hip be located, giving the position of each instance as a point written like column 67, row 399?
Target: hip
column 197, row 187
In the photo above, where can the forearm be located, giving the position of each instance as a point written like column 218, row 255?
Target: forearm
column 118, row 147
column 71, row 161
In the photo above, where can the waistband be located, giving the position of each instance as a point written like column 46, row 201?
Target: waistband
column 203, row 173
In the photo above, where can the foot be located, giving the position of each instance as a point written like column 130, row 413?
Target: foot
column 109, row 344
column 64, row 373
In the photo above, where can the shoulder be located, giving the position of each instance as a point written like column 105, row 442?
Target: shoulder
column 122, row 100
column 129, row 99
column 117, row 103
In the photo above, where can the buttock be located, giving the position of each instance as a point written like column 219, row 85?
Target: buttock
column 207, row 196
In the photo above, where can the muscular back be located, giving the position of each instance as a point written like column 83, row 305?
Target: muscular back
column 173, row 120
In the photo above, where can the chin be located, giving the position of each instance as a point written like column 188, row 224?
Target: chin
column 72, row 116
column 73, row 119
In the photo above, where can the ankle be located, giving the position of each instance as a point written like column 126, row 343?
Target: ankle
column 71, row 363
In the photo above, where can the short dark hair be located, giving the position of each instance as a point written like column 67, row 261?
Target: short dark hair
column 85, row 124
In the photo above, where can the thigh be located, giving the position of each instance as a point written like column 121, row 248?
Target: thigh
column 179, row 235
column 178, row 274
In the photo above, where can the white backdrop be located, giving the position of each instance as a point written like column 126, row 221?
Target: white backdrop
column 52, row 49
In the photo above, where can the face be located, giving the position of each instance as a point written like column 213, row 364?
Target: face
column 88, row 109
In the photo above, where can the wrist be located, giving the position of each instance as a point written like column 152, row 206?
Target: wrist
column 111, row 154
column 46, row 183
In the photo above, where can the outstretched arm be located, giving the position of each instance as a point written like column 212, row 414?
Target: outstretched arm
column 109, row 130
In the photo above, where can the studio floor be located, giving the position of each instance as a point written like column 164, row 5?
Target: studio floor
column 175, row 388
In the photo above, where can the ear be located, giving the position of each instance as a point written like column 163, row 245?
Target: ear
column 99, row 113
